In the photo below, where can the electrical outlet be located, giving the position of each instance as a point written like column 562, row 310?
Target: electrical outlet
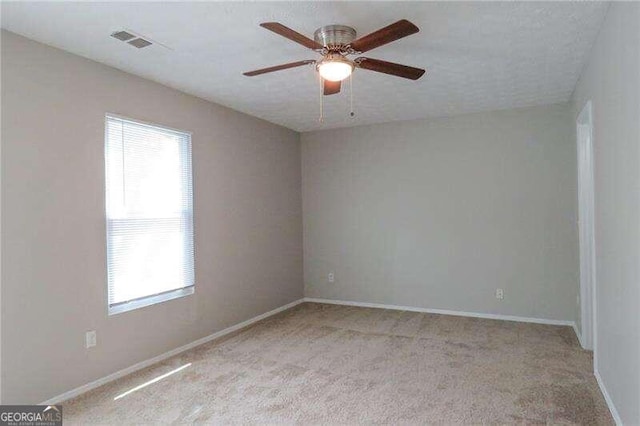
column 90, row 339
column 331, row 277
column 499, row 293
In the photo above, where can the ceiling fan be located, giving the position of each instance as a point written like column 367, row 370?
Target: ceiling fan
column 335, row 43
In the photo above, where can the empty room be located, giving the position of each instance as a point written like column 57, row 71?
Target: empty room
column 320, row 213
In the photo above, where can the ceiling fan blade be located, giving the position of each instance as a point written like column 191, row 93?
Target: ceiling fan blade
column 331, row 87
column 291, row 35
column 390, row 68
column 384, row 35
column 279, row 67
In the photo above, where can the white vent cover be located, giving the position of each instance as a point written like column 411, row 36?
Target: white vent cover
column 140, row 43
column 131, row 38
column 122, row 35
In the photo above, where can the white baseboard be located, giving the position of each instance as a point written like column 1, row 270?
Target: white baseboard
column 443, row 312
column 578, row 335
column 143, row 364
column 607, row 398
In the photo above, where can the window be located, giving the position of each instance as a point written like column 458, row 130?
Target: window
column 149, row 208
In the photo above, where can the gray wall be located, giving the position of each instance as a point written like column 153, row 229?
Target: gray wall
column 440, row 213
column 611, row 81
column 247, row 218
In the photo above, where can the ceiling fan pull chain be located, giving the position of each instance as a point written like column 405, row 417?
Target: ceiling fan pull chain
column 321, row 118
column 351, row 113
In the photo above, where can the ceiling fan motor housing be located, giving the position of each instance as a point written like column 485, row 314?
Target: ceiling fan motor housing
column 334, row 36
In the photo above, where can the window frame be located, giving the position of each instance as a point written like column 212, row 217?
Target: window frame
column 164, row 296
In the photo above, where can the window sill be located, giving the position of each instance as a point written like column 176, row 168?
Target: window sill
column 151, row 300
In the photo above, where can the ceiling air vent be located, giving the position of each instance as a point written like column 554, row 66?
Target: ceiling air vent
column 130, row 37
column 122, row 35
column 140, row 43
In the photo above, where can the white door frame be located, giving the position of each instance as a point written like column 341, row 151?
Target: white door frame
column 586, row 228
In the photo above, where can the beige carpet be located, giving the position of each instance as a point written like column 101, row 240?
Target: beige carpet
column 326, row 364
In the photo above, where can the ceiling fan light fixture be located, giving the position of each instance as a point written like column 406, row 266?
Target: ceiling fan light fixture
column 335, row 68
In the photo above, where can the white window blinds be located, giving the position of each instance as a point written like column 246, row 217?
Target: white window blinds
column 149, row 208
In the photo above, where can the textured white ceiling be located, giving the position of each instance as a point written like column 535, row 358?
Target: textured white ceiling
column 478, row 55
